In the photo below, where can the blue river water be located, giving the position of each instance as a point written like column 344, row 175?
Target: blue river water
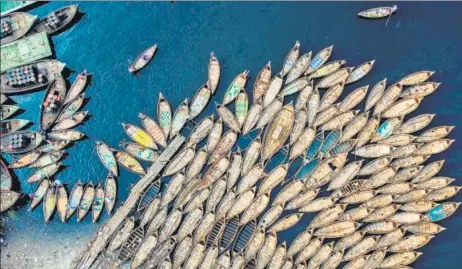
column 243, row 36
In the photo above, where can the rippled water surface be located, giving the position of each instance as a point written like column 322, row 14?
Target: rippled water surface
column 243, row 36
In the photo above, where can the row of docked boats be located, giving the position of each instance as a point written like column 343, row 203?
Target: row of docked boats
column 217, row 211
column 82, row 198
column 19, row 24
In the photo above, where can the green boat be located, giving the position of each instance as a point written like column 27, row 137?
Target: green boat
column 25, row 50
column 6, row 7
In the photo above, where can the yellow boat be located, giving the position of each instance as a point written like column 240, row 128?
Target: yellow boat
column 139, row 136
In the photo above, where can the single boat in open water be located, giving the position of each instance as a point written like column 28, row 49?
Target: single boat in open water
column 143, row 59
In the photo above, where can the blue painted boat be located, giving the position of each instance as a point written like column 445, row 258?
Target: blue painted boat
column 307, row 169
column 330, row 142
column 315, row 146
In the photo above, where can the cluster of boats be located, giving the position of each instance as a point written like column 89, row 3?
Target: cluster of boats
column 217, row 209
column 60, row 113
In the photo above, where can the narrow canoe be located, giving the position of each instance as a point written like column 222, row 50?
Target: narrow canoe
column 45, row 72
column 273, row 90
column 303, row 97
column 180, row 117
column 200, row 131
column 154, row 129
column 140, row 152
column 143, row 59
column 64, row 16
column 214, row 72
column 375, row 94
column 74, row 199
column 18, row 25
column 71, row 121
column 86, row 202
column 61, row 203
column 416, row 78
column 331, row 96
column 72, row 107
column 98, row 202
column 7, row 199
column 49, row 204
column 53, row 103
column 235, row 87
column 180, row 161
column 223, row 147
column 77, row 87
column 420, row 90
column 129, row 162
column 378, row 12
column 228, row 118
column 107, row 157
column 242, row 107
column 9, row 126
column 360, row 71
column 215, row 135
column 335, row 78
column 164, row 114
column 327, row 69
column 6, row 180
column 53, row 146
column 290, row 59
column 139, row 136
column 21, row 142
column 39, row 193
column 278, row 131
column 47, row 159
column 200, row 100
column 262, row 82
column 299, row 68
column 110, row 193
column 67, row 135
column 319, row 59
column 296, row 86
column 8, row 111
column 252, row 118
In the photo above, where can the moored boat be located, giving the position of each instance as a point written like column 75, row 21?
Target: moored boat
column 360, row 71
column 47, row 159
column 86, row 202
column 129, row 162
column 278, row 131
column 71, row 121
column 9, row 126
column 107, row 157
column 140, row 152
column 8, row 111
column 242, row 107
column 180, row 117
column 53, row 103
column 21, row 142
column 214, row 72
column 7, row 199
column 6, row 180
column 77, row 87
column 56, row 21
column 236, row 85
column 416, row 78
column 290, row 59
column 98, row 202
column 143, row 59
column 16, row 25
column 139, row 136
column 319, row 59
column 262, row 82
column 49, row 203
column 200, row 131
column 164, row 114
column 200, row 100
column 72, row 107
column 378, row 12
column 66, row 135
column 61, row 202
column 110, row 193
column 74, row 199
column 38, row 74
column 40, row 193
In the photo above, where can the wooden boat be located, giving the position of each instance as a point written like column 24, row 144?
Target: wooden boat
column 338, row 229
column 224, row 145
column 47, row 159
column 400, row 259
column 326, row 115
column 290, row 59
column 122, row 234
column 299, row 125
column 273, row 90
column 254, row 245
column 442, row 211
column 139, row 136
column 71, row 121
column 216, row 194
column 42, row 74
column 98, row 202
column 375, row 94
column 250, row 178
column 378, row 12
column 44, row 172
column 21, row 142
column 331, row 96
column 234, row 169
column 180, row 117
column 61, row 201
column 242, row 107
column 6, row 180
column 420, row 90
column 270, row 216
column 278, row 131
column 49, row 203
column 9, row 126
column 129, row 162
column 3, row 98
column 86, row 202
column 228, row 118
column 200, row 131
column 164, row 114
column 66, row 135
column 313, row 106
column 146, row 247
column 77, row 87
column 402, row 108
column 74, row 199
column 140, row 152
column 360, row 71
column 354, row 126
column 56, row 21
column 143, row 59
column 327, row 69
column 160, row 255
column 213, row 72
column 296, row 86
column 252, row 118
column 340, row 120
column 200, row 100
column 303, row 143
column 229, row 234
column 285, row 223
column 110, row 193
column 236, row 85
column 7, row 199
column 129, row 247
column 319, row 59
column 303, row 97
column 416, row 78
column 172, row 189
column 53, row 103
column 434, row 134
column 335, row 78
column 390, row 95
column 197, row 163
column 190, row 223
column 8, row 111
column 72, row 107
column 299, row 68
column 40, row 193
column 330, row 141
column 353, row 99
column 270, row 112
column 266, row 251
column 262, row 82
column 215, row 135
column 415, row 124
column 255, row 209
column 107, row 157
column 180, row 161
column 16, row 25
